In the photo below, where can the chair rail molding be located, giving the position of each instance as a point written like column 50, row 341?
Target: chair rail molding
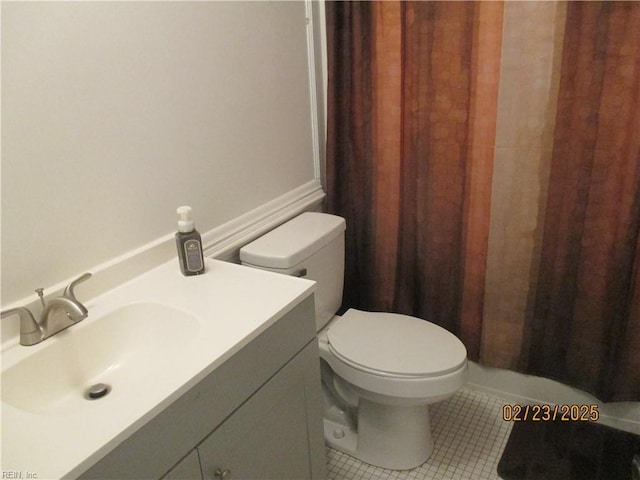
column 222, row 242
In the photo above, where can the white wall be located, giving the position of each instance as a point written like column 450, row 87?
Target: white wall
column 114, row 114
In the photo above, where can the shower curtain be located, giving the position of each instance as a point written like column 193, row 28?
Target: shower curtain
column 586, row 323
column 418, row 161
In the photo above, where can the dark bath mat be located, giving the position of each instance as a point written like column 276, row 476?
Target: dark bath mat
column 556, row 450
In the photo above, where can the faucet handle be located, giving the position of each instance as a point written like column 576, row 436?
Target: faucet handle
column 30, row 331
column 68, row 292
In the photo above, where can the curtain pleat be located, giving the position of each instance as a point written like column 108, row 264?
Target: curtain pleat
column 350, row 139
column 585, row 314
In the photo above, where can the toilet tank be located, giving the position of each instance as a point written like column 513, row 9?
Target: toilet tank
column 311, row 246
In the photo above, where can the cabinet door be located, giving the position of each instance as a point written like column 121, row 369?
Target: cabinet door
column 187, row 469
column 267, row 437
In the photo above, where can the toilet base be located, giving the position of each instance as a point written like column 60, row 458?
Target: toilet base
column 393, row 437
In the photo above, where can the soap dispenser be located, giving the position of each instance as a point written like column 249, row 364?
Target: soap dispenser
column 189, row 244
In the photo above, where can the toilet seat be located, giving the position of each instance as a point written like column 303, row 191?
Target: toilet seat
column 394, row 345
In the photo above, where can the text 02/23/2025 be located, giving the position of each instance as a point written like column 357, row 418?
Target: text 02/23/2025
column 546, row 413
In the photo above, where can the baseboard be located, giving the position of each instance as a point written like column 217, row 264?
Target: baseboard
column 222, row 242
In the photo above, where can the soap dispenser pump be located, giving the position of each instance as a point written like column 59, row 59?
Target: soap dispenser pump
column 189, row 244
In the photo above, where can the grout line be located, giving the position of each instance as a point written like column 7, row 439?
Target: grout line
column 469, row 436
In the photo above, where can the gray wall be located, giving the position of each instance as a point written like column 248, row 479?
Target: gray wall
column 114, row 114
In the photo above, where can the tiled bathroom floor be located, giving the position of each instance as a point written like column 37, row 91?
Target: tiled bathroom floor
column 469, row 436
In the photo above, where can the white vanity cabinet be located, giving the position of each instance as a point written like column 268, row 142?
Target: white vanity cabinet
column 187, row 468
column 266, row 438
column 257, row 415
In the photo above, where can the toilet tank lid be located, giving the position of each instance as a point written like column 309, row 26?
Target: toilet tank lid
column 293, row 241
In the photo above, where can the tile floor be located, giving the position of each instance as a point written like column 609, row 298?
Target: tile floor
column 469, row 436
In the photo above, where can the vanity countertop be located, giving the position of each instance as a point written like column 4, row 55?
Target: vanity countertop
column 231, row 305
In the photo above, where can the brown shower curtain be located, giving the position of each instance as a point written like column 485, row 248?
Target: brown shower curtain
column 412, row 102
column 586, row 324
column 413, row 182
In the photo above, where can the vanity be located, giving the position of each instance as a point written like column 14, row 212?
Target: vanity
column 208, row 377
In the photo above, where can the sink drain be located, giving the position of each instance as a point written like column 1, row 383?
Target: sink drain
column 97, row 391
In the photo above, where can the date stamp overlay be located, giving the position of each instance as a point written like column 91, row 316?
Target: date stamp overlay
column 550, row 413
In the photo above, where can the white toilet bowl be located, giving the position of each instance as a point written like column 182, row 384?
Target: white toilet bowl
column 380, row 371
column 383, row 372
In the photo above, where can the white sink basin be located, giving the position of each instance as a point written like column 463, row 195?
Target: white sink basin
column 151, row 339
column 124, row 349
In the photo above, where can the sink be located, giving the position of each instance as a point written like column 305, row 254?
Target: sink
column 152, row 340
column 125, row 349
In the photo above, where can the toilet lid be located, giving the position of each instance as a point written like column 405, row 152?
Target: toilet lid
column 395, row 344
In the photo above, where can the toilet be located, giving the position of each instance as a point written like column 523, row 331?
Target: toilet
column 380, row 371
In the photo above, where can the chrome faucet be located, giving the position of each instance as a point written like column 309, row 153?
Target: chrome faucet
column 60, row 313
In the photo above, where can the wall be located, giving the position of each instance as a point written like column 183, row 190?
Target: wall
column 116, row 113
